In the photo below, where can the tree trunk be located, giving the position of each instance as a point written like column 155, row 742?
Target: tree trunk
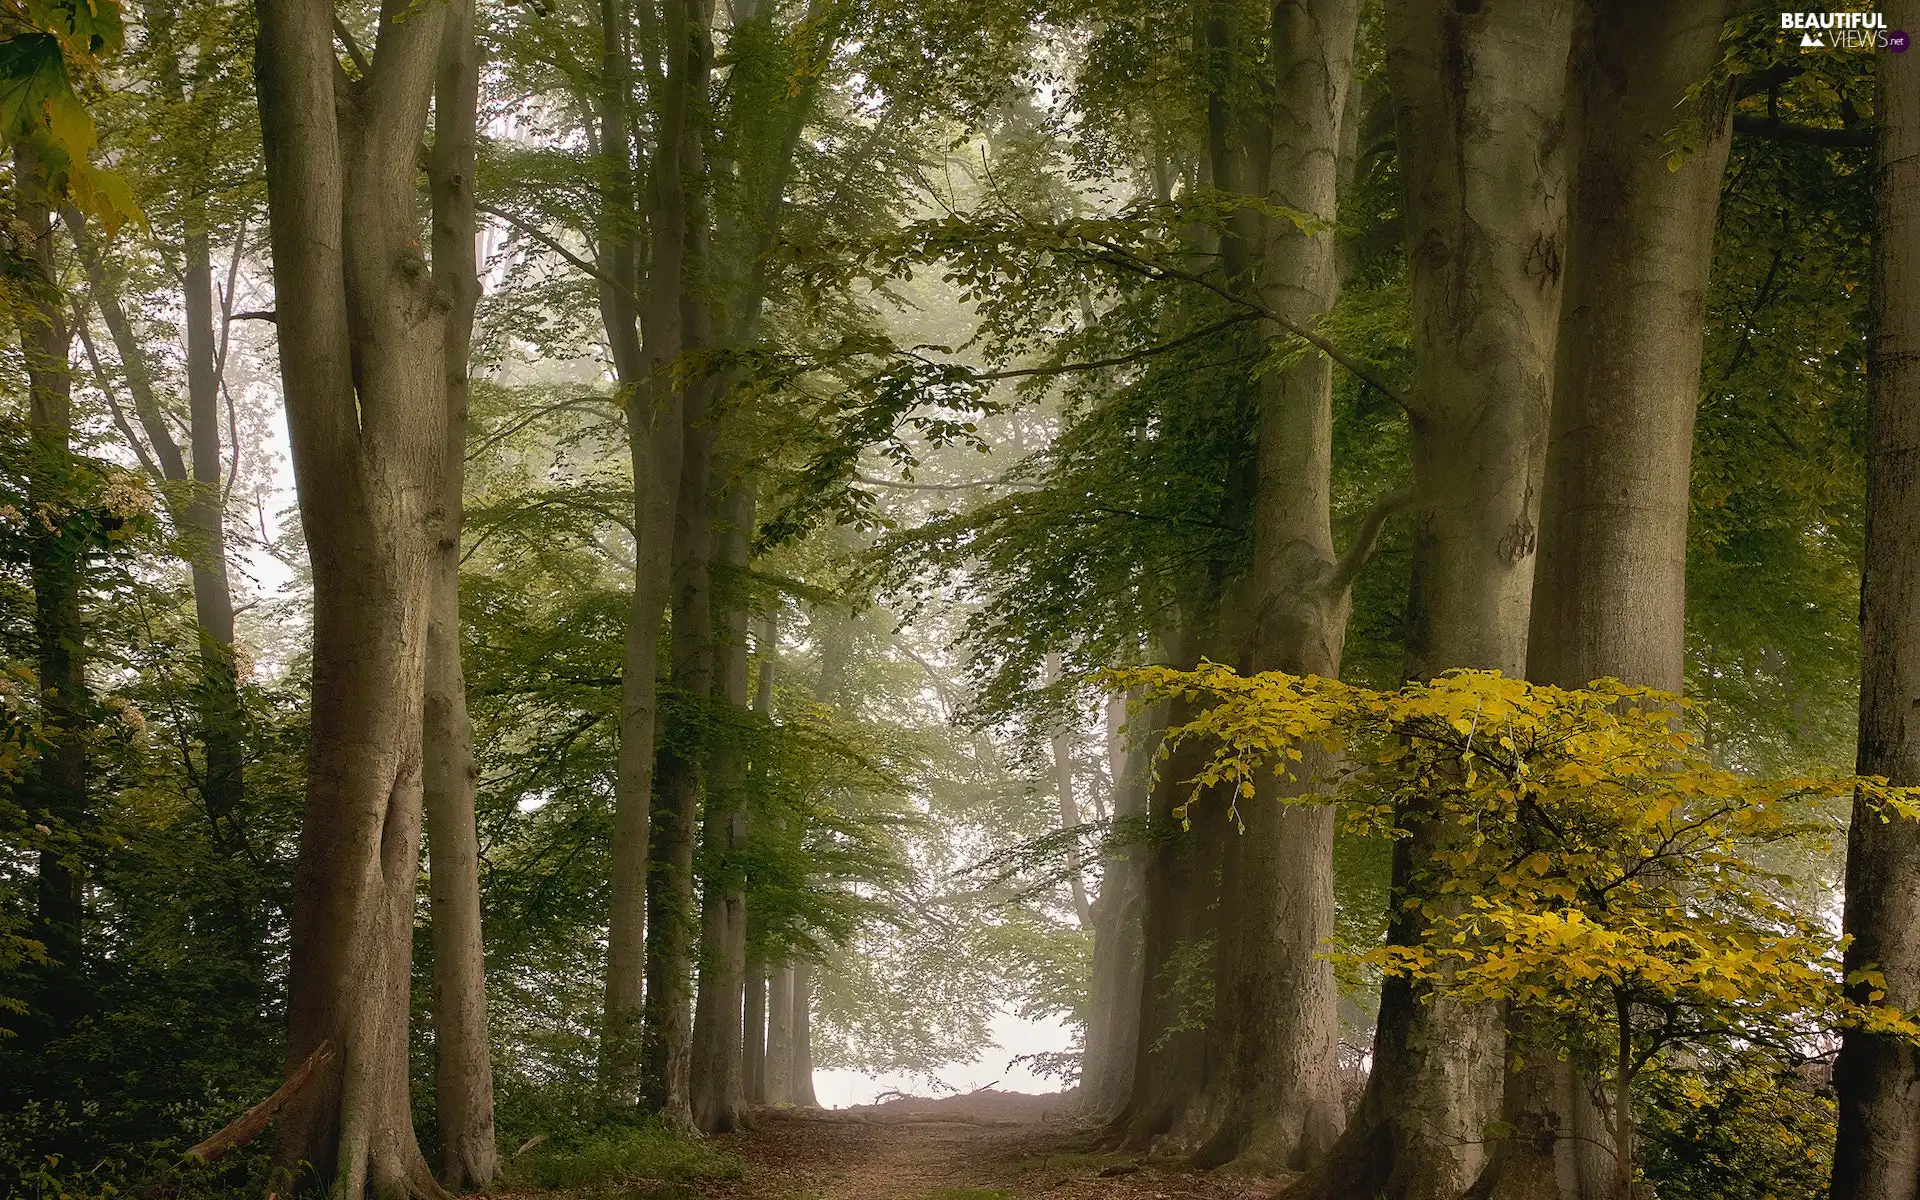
column 655, row 433
column 57, row 786
column 196, row 511
column 780, row 1036
column 717, row 1086
column 753, row 1067
column 1060, row 748
column 667, row 1016
column 1184, row 837
column 1610, row 585
column 220, row 713
column 463, row 1070
column 1272, row 1094
column 753, row 1052
column 1113, row 1018
column 362, row 333
column 1479, row 96
column 801, row 1083
column 1877, row 1156
column 1609, row 595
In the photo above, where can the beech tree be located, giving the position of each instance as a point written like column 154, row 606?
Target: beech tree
column 1878, row 1149
column 362, row 318
column 1479, row 97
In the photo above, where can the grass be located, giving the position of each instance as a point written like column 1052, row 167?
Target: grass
column 642, row 1162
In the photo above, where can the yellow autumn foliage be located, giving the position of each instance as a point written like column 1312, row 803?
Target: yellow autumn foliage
column 1579, row 855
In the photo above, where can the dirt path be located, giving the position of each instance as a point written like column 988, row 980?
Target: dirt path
column 897, row 1153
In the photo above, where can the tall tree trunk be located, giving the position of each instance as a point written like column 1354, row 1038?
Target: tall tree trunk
column 1184, row 837
column 655, row 435
column 362, row 333
column 463, row 1069
column 1272, row 1094
column 718, row 1089
column 667, row 1016
column 780, row 1036
column 1609, row 593
column 1877, row 1156
column 753, row 1066
column 801, row 1084
column 58, row 783
column 753, row 1040
column 221, row 718
column 1610, row 586
column 1060, row 747
column 194, row 503
column 200, row 515
column 1480, row 95
column 1113, row 1018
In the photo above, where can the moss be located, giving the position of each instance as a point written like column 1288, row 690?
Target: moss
column 646, row 1157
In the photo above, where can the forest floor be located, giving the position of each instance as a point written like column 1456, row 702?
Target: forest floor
column 983, row 1146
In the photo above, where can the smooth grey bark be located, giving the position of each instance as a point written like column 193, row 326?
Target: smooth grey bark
column 666, row 1042
column 1610, row 584
column 780, row 1035
column 1609, row 593
column 718, row 1090
column 753, row 1048
column 1877, row 1078
column 1113, row 1020
column 1182, row 851
column 362, row 331
column 672, row 916
column 800, row 1086
column 463, row 1067
column 753, row 1067
column 1272, row 1097
column 1479, row 93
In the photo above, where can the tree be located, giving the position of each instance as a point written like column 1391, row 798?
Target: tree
column 1612, row 887
column 1114, row 989
column 1271, row 1092
column 1609, row 591
column 1877, row 1153
column 1478, row 93
column 463, row 1068
column 362, row 324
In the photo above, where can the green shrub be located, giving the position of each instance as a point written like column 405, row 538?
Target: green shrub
column 1750, row 1128
column 627, row 1155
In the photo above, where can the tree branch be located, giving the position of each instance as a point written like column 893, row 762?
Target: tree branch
column 250, row 1124
column 907, row 485
column 624, row 292
column 1119, row 256
column 352, row 47
column 1360, row 551
column 1117, row 360
column 105, row 385
column 1810, row 135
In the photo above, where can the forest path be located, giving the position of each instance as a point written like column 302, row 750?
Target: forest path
column 938, row 1153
